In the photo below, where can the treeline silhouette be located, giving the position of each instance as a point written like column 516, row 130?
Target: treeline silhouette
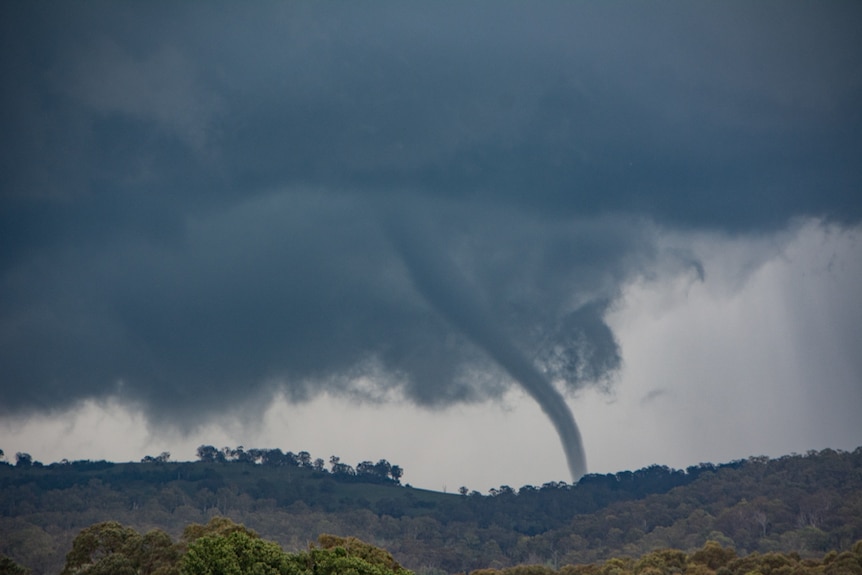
column 368, row 471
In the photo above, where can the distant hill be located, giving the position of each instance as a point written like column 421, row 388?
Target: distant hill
column 807, row 504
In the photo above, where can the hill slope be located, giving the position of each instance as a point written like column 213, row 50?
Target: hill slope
column 804, row 503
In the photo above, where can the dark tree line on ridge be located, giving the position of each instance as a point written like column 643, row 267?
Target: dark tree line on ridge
column 365, row 471
column 382, row 471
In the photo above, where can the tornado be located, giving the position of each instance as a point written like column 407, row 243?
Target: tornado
column 445, row 289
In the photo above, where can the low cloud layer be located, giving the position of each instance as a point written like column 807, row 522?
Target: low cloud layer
column 195, row 199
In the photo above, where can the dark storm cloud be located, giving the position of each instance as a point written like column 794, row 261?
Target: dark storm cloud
column 193, row 197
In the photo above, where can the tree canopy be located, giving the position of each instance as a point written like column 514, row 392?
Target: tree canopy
column 222, row 547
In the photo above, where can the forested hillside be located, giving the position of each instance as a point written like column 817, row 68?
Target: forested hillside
column 222, row 547
column 807, row 504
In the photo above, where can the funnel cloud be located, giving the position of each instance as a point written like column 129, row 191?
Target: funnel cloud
column 447, row 292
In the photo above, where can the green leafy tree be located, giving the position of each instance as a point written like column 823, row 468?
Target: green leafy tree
column 338, row 561
column 846, row 563
column 663, row 561
column 357, row 548
column 110, row 548
column 237, row 553
column 9, row 567
column 219, row 526
column 156, row 554
column 234, row 550
column 346, row 556
column 713, row 555
column 101, row 548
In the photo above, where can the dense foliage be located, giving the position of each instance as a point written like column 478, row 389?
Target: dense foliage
column 220, row 547
column 711, row 559
column 224, row 548
column 805, row 504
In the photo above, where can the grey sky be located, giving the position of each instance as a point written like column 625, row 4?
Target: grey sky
column 193, row 196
